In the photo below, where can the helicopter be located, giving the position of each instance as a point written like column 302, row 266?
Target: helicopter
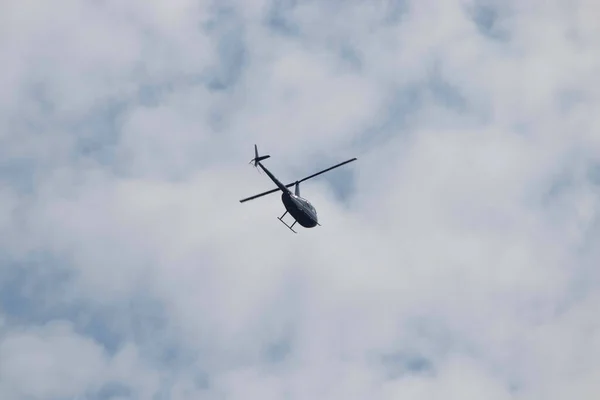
column 299, row 208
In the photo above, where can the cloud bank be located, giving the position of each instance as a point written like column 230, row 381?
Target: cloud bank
column 457, row 256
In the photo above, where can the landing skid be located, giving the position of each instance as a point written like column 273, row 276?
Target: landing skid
column 283, row 222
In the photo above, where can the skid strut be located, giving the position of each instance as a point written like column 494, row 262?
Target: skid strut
column 283, row 222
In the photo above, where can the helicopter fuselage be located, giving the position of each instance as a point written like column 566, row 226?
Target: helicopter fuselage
column 300, row 209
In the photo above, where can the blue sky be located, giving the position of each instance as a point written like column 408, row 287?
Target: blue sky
column 457, row 256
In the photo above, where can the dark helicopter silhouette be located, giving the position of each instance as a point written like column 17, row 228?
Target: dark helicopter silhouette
column 303, row 212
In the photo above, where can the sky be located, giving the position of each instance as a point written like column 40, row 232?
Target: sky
column 456, row 257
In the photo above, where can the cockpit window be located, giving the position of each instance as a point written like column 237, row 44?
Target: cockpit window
column 307, row 204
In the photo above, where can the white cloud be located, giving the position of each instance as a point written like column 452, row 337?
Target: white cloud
column 49, row 362
column 466, row 246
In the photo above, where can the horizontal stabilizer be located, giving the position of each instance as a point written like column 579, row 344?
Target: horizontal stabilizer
column 258, row 158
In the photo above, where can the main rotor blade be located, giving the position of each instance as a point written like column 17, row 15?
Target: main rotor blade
column 295, row 182
column 259, row 195
column 265, row 193
column 325, row 170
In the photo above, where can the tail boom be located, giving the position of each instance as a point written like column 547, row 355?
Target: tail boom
column 257, row 163
column 280, row 185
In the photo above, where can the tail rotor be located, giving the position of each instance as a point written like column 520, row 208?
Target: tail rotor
column 257, row 159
